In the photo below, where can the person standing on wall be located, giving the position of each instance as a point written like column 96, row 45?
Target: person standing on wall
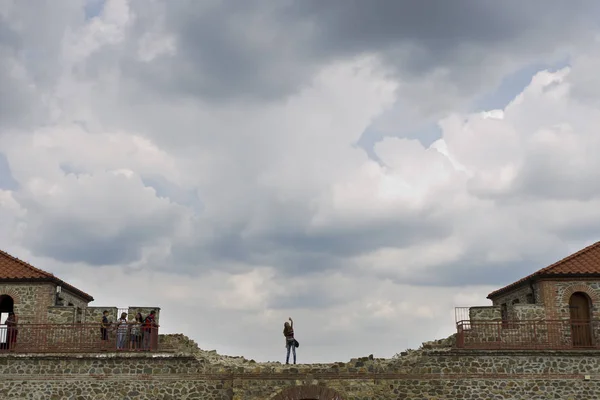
column 290, row 341
column 11, row 330
column 104, row 328
column 122, row 328
column 148, row 330
column 135, row 336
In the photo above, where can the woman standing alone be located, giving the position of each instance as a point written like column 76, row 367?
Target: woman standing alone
column 290, row 342
column 11, row 325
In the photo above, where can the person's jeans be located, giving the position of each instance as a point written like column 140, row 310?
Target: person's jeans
column 146, row 339
column 121, row 340
column 290, row 345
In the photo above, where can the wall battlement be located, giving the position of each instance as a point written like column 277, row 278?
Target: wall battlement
column 192, row 373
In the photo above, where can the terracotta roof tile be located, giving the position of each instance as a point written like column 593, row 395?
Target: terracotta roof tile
column 584, row 262
column 13, row 269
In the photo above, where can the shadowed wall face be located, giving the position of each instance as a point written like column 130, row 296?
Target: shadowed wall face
column 442, row 374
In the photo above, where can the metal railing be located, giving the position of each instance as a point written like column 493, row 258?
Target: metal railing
column 461, row 314
column 534, row 334
column 74, row 338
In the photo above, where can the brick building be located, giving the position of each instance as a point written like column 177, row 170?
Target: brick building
column 32, row 294
column 39, row 297
column 557, row 306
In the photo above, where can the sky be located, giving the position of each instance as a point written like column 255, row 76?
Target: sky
column 361, row 167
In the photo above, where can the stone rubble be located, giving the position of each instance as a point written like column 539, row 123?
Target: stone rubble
column 182, row 344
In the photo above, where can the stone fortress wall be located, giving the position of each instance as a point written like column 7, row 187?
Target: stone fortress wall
column 436, row 371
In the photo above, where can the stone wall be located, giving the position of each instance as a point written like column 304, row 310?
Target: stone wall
column 527, row 327
column 192, row 373
column 61, row 315
column 485, row 313
column 145, row 311
column 558, row 293
column 66, row 298
column 554, row 295
column 518, row 295
column 94, row 314
column 36, row 303
column 31, row 300
column 528, row 312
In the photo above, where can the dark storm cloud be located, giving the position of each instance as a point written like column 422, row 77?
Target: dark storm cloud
column 358, row 26
column 468, row 39
column 475, row 267
column 473, row 271
column 80, row 244
column 469, row 270
column 74, row 242
column 351, row 241
column 72, row 238
column 300, row 253
column 549, row 176
column 315, row 297
column 439, row 27
column 267, row 49
column 225, row 50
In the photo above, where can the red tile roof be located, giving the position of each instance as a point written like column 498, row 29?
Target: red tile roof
column 14, row 270
column 585, row 262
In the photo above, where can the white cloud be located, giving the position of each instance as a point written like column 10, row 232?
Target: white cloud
column 233, row 215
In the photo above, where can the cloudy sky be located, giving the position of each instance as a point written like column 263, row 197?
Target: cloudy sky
column 361, row 166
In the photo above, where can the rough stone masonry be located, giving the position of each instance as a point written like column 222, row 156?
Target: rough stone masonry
column 436, row 371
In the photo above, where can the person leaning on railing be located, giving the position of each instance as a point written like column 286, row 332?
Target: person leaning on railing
column 135, row 334
column 147, row 330
column 104, row 325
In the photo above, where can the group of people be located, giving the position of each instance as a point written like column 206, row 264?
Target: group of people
column 138, row 330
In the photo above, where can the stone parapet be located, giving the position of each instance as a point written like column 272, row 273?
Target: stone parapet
column 528, row 312
column 485, row 313
column 61, row 314
column 145, row 311
column 94, row 314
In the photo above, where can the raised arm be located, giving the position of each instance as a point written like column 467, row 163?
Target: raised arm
column 291, row 323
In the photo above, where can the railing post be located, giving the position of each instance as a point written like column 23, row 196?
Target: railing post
column 460, row 338
column 499, row 326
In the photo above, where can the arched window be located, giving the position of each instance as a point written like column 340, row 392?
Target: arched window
column 579, row 312
column 7, row 305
